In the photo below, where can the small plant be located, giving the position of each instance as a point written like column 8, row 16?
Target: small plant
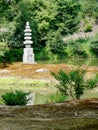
column 74, row 83
column 88, row 28
column 16, row 98
column 79, row 51
column 76, row 48
column 57, row 97
column 94, row 46
column 3, row 50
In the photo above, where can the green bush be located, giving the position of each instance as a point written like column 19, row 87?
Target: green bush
column 88, row 28
column 79, row 51
column 94, row 46
column 3, row 48
column 43, row 55
column 16, row 98
column 14, row 55
column 76, row 49
column 57, row 97
column 74, row 83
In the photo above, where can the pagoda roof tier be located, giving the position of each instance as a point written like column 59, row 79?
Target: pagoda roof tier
column 27, row 30
column 28, row 34
column 27, row 42
column 28, row 38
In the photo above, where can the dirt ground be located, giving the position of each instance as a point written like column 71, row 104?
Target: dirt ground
column 40, row 71
column 69, row 115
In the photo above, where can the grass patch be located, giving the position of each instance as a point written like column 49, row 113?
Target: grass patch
column 90, row 94
column 23, row 84
column 42, row 89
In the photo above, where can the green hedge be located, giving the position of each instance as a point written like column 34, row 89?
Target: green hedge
column 12, row 55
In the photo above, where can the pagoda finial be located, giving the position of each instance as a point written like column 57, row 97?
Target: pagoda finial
column 27, row 23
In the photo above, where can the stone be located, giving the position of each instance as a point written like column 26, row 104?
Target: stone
column 31, row 96
column 4, row 71
column 28, row 56
column 41, row 70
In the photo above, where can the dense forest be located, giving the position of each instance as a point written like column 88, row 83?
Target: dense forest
column 50, row 21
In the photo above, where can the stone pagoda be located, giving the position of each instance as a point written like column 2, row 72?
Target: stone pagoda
column 28, row 56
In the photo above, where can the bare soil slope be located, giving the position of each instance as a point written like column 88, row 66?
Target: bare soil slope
column 30, row 70
column 69, row 115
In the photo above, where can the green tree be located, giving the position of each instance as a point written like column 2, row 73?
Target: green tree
column 55, row 43
column 68, row 15
column 74, row 83
column 45, row 17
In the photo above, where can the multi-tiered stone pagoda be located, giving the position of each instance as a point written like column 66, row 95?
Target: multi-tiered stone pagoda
column 28, row 56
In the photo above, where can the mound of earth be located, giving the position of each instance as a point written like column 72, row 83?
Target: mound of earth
column 68, row 115
column 40, row 71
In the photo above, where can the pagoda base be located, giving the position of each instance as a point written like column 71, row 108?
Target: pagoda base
column 28, row 56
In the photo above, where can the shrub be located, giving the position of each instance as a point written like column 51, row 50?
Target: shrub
column 74, row 83
column 57, row 97
column 3, row 49
column 16, row 98
column 14, row 55
column 10, row 56
column 94, row 46
column 88, row 28
column 79, row 51
column 76, row 49
column 43, row 54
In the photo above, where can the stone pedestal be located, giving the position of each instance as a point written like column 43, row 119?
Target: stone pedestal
column 28, row 56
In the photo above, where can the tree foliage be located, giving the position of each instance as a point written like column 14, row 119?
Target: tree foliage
column 67, row 17
column 44, row 17
column 55, row 43
column 88, row 7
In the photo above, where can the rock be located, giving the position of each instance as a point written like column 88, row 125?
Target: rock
column 41, row 70
column 4, row 71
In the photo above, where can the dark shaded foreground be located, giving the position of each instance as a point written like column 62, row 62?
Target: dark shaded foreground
column 69, row 115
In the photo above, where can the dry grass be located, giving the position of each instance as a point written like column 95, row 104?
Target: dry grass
column 29, row 70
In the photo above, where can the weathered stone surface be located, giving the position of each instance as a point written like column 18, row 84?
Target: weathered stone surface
column 69, row 115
